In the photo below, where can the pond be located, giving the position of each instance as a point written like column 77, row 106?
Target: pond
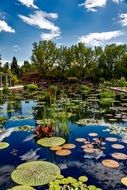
column 85, row 122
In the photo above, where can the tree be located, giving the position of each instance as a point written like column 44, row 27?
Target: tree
column 44, row 56
column 6, row 67
column 14, row 67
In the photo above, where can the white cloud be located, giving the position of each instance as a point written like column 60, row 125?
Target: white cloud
column 4, row 27
column 28, row 3
column 50, row 36
column 93, row 5
column 96, row 39
column 16, row 48
column 123, row 19
column 43, row 20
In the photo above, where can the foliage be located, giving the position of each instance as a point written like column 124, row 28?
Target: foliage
column 52, row 141
column 71, row 183
column 44, row 131
column 35, row 173
column 3, row 145
column 107, row 94
column 31, row 87
column 5, row 91
column 22, row 187
column 2, row 119
column 106, row 102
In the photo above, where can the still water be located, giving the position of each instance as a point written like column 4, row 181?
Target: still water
column 23, row 148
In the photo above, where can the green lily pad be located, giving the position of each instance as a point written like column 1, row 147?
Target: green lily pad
column 3, row 145
column 22, row 187
column 52, row 141
column 35, row 173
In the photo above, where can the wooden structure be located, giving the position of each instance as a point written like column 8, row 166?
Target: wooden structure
column 30, row 77
column 5, row 80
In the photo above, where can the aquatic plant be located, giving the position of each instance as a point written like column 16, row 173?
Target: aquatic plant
column 106, row 102
column 44, row 131
column 118, row 146
column 2, row 119
column 68, row 146
column 68, row 183
column 110, row 163
column 119, row 156
column 3, row 145
column 52, row 141
column 63, row 152
column 22, row 187
column 124, row 181
column 35, row 173
column 114, row 129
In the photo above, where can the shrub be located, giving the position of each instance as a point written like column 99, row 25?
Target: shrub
column 31, row 87
column 107, row 94
column 5, row 90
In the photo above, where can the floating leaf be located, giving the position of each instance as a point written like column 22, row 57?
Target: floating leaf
column 35, row 173
column 69, row 146
column 89, row 150
column 56, row 148
column 22, row 187
column 63, row 152
column 3, row 145
column 124, row 181
column 52, row 141
column 93, row 134
column 83, row 178
column 81, row 139
column 110, row 163
column 111, row 139
column 119, row 156
column 118, row 146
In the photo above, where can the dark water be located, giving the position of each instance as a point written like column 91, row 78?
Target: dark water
column 77, row 164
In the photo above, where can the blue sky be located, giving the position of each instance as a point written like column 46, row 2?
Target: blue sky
column 66, row 22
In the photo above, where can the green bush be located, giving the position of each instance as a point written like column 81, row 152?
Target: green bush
column 107, row 94
column 5, row 90
column 84, row 89
column 31, row 87
column 106, row 102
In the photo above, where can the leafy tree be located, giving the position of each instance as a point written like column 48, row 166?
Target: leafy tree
column 44, row 56
column 14, row 67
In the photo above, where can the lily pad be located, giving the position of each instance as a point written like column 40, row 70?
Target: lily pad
column 69, row 146
column 111, row 139
column 22, row 187
column 81, row 139
column 35, row 173
column 56, row 148
column 3, row 145
column 124, row 181
column 52, row 141
column 63, row 152
column 119, row 156
column 93, row 134
column 118, row 146
column 110, row 163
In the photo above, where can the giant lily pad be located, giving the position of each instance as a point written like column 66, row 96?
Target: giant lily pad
column 52, row 141
column 35, row 173
column 22, row 187
column 3, row 145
